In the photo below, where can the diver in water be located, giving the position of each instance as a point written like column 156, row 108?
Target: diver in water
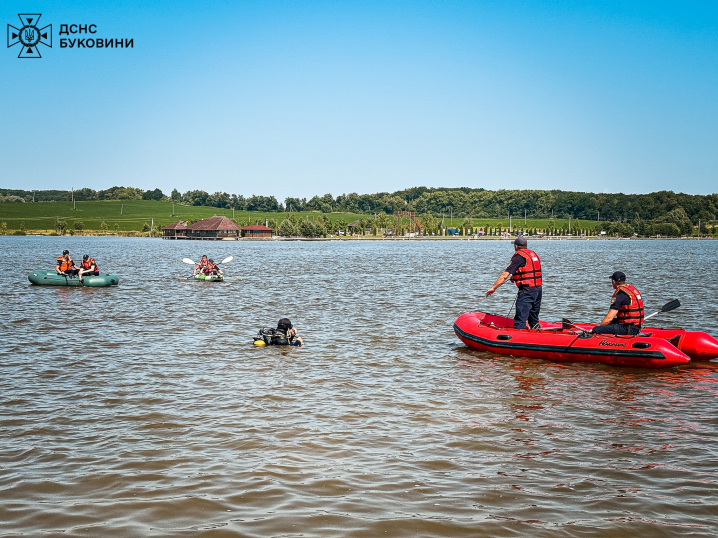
column 284, row 335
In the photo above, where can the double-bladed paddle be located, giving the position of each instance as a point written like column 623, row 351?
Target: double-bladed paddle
column 226, row 260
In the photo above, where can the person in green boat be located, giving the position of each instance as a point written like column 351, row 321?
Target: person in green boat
column 201, row 267
column 88, row 267
column 65, row 265
column 212, row 268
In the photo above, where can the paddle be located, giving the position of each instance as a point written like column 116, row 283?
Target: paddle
column 226, row 260
column 671, row 305
column 187, row 260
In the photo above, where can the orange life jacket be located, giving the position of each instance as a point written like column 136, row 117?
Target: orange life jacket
column 64, row 265
column 632, row 313
column 89, row 263
column 212, row 268
column 529, row 274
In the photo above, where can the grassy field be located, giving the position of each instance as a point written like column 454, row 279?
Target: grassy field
column 131, row 215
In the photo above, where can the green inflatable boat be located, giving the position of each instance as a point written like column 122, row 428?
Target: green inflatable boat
column 51, row 278
column 211, row 278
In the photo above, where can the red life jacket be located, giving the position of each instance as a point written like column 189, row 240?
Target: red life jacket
column 632, row 313
column 89, row 263
column 529, row 274
column 64, row 265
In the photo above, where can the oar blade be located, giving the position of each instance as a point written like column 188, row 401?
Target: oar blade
column 672, row 305
column 187, row 260
column 227, row 260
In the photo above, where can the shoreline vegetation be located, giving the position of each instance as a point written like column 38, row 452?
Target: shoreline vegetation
column 462, row 213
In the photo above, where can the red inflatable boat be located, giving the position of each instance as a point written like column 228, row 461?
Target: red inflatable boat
column 653, row 348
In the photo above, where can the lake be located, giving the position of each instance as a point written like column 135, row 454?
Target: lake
column 145, row 410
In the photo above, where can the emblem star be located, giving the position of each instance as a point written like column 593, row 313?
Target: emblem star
column 29, row 36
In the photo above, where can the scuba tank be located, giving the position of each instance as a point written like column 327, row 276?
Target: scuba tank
column 273, row 337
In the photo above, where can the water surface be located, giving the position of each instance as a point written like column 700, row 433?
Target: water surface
column 144, row 410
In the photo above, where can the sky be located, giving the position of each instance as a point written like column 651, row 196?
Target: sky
column 307, row 98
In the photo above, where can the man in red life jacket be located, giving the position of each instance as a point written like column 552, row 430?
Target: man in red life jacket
column 525, row 271
column 625, row 316
column 201, row 267
column 212, row 268
column 88, row 267
column 65, row 265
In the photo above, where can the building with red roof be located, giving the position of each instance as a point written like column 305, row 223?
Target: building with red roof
column 256, row 230
column 213, row 228
column 176, row 230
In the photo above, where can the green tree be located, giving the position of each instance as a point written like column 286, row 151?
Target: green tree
column 146, row 227
column 287, row 228
column 22, row 226
column 176, row 195
column 3, row 228
column 103, row 226
column 61, row 226
column 79, row 225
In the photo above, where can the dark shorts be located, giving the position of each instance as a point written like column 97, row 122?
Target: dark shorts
column 91, row 273
column 71, row 272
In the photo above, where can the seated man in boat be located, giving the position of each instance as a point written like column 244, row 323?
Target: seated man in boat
column 525, row 271
column 201, row 267
column 625, row 316
column 283, row 335
column 212, row 268
column 88, row 267
column 65, row 265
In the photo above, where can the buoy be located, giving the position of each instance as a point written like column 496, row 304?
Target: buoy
column 259, row 343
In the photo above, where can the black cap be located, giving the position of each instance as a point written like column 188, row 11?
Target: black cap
column 284, row 324
column 85, row 256
column 618, row 276
column 65, row 252
column 520, row 241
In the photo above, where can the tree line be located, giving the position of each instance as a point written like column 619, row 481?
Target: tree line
column 637, row 210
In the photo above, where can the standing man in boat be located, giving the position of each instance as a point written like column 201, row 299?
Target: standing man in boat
column 625, row 316
column 525, row 271
column 65, row 265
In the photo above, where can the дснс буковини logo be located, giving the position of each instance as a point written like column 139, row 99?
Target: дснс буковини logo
column 29, row 36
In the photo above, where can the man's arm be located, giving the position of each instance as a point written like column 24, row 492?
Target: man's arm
column 503, row 278
column 609, row 317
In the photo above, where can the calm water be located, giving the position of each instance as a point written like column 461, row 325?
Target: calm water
column 144, row 410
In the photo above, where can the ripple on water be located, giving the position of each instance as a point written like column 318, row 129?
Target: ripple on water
column 156, row 416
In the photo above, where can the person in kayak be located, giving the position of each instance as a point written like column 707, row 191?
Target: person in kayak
column 65, row 265
column 525, row 271
column 211, row 269
column 201, row 267
column 88, row 267
column 625, row 316
column 284, row 335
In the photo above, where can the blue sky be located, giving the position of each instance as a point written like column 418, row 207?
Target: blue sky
column 305, row 98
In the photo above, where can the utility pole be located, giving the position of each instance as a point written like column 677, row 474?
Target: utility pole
column 122, row 207
column 569, row 224
column 153, row 224
column 598, row 216
column 451, row 216
column 232, row 213
column 510, row 227
column 33, row 196
column 699, row 229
